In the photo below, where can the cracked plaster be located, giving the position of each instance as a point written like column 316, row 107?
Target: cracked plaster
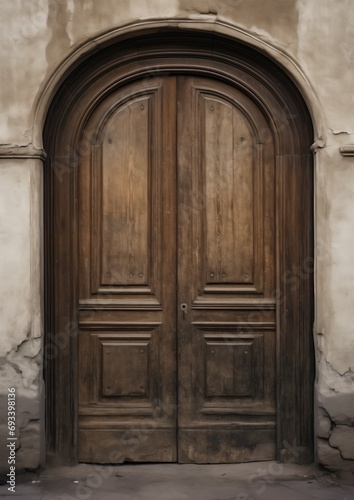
column 342, row 438
column 331, row 458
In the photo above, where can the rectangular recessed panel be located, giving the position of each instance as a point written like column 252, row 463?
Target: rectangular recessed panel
column 214, row 445
column 229, row 369
column 125, row 199
column 120, row 369
column 125, row 368
column 229, row 188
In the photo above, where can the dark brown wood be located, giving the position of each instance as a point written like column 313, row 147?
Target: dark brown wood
column 125, row 211
column 242, row 226
column 227, row 256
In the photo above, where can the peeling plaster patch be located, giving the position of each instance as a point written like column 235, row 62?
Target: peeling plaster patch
column 203, row 11
column 16, row 238
column 322, row 34
column 143, row 9
column 325, row 424
column 60, row 41
column 23, row 374
column 23, row 37
column 342, row 438
column 71, row 6
column 334, row 291
column 338, row 132
column 22, row 369
column 24, row 419
column 318, row 144
column 331, row 458
column 340, row 406
column 27, row 360
column 342, row 373
column 30, row 348
column 263, row 35
column 69, row 26
column 275, row 24
column 336, row 393
column 201, row 7
column 28, row 433
column 335, row 418
column 10, row 376
column 28, row 454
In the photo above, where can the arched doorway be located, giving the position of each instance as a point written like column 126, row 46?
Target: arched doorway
column 179, row 256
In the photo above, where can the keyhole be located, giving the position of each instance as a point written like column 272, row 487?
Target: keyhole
column 184, row 309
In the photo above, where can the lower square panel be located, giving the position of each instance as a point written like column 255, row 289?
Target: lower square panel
column 125, row 368
column 233, row 368
column 216, row 446
column 113, row 446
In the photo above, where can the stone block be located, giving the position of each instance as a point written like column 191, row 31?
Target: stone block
column 331, row 458
column 29, row 453
column 340, row 406
column 324, row 424
column 342, row 438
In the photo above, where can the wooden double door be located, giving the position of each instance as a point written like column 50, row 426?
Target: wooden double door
column 176, row 276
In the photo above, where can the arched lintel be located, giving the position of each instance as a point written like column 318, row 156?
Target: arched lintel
column 104, row 39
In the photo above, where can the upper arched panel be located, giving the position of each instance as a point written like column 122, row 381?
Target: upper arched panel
column 150, row 56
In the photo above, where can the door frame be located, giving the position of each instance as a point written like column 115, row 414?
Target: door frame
column 149, row 55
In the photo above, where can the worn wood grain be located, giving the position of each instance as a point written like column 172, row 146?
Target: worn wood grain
column 137, row 226
column 221, row 241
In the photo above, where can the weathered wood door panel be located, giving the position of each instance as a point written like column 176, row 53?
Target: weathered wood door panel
column 127, row 278
column 226, row 261
column 204, row 143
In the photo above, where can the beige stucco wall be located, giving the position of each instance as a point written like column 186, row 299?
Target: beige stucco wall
column 314, row 40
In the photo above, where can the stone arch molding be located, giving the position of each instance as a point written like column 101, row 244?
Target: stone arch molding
column 98, row 42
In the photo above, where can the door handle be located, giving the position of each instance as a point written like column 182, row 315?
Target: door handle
column 184, row 308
